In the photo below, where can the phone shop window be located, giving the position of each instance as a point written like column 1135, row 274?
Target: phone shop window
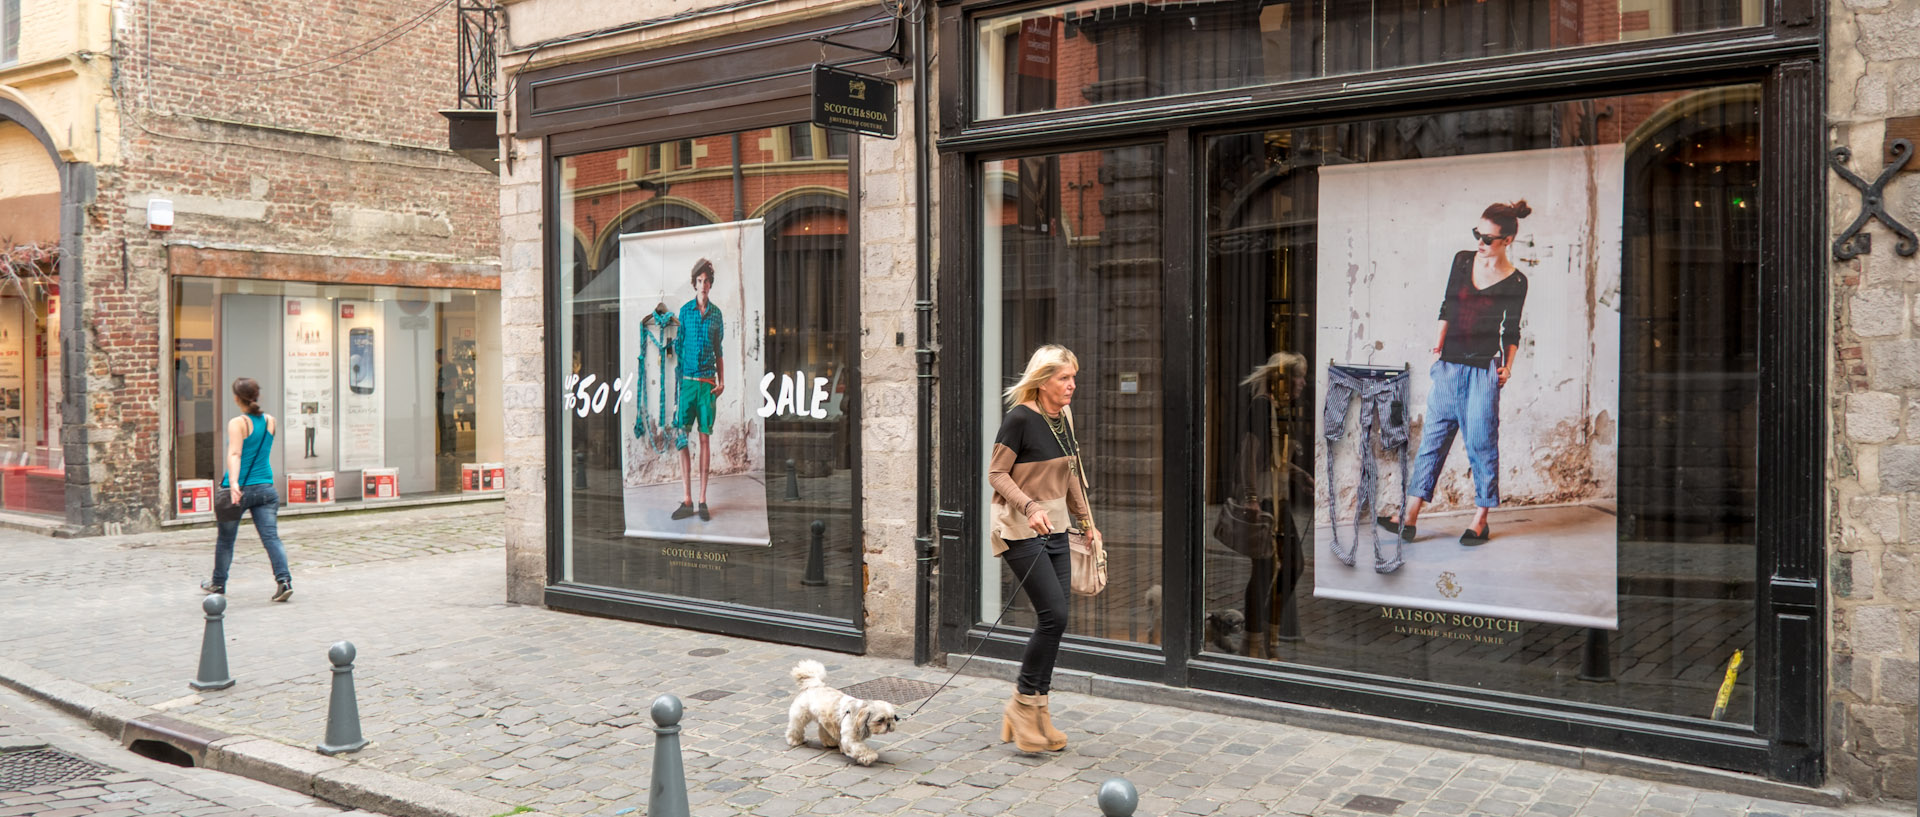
column 381, row 393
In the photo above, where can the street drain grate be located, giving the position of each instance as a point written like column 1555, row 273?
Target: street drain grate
column 707, row 652
column 892, row 690
column 1374, row 805
column 710, row 695
column 44, row 767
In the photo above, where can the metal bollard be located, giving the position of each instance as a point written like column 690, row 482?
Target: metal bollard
column 816, row 575
column 1117, row 798
column 793, row 480
column 343, row 714
column 667, row 793
column 213, row 647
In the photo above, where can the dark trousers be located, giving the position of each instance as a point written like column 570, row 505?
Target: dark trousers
column 1047, row 568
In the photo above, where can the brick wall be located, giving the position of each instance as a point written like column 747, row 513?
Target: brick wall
column 1874, row 547
column 345, row 162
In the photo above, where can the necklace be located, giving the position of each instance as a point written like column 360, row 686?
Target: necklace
column 1063, row 434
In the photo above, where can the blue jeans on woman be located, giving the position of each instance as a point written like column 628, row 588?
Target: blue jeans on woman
column 263, row 502
column 1044, row 568
column 1464, row 400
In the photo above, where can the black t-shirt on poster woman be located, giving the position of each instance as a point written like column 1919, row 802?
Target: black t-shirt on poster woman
column 1480, row 322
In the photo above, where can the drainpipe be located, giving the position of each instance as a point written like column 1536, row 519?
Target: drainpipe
column 925, row 554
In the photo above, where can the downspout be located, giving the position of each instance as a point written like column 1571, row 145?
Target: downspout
column 926, row 556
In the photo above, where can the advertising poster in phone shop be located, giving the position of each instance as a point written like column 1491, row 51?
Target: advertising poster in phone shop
column 1469, row 369
column 308, row 441
column 693, row 452
column 362, row 391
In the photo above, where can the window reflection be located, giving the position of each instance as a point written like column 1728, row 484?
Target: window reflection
column 1660, row 456
column 1073, row 256
column 1107, row 51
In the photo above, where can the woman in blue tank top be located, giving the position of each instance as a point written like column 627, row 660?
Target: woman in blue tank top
column 250, row 457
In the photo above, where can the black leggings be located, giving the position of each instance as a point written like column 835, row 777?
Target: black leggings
column 1047, row 566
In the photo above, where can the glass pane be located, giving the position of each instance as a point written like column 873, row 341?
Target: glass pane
column 380, row 392
column 1106, row 51
column 747, row 352
column 1592, row 354
column 1072, row 255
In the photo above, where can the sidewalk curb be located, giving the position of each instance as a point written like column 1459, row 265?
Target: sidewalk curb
column 1439, row 737
column 262, row 759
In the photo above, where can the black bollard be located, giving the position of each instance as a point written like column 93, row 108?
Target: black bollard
column 1596, row 660
column 816, row 575
column 213, row 647
column 793, row 481
column 667, row 794
column 1117, row 798
column 343, row 713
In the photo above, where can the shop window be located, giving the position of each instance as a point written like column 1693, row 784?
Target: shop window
column 9, row 31
column 32, row 468
column 1073, row 256
column 380, row 392
column 708, row 396
column 799, row 142
column 1108, row 51
column 1595, row 386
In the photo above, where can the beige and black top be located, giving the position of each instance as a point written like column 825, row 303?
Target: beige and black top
column 1033, row 468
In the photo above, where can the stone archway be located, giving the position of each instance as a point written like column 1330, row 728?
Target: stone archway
column 76, row 191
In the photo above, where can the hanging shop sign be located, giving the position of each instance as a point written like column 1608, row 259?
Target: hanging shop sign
column 844, row 100
column 1473, row 373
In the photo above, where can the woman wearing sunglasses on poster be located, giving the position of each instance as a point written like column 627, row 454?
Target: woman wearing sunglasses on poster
column 1479, row 335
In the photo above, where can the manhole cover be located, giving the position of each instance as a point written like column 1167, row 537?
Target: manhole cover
column 707, row 652
column 892, row 690
column 710, row 695
column 44, row 767
column 1374, row 805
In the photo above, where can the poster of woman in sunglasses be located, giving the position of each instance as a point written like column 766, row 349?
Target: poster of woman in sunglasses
column 1469, row 367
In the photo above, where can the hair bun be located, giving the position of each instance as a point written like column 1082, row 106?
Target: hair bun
column 1521, row 210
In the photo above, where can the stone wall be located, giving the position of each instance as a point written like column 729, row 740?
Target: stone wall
column 1874, row 544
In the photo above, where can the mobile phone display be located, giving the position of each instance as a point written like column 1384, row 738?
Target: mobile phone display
column 360, row 360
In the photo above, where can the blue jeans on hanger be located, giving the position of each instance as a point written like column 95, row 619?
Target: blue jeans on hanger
column 1383, row 410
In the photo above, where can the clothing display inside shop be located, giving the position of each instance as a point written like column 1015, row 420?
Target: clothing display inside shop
column 658, row 393
column 1382, row 395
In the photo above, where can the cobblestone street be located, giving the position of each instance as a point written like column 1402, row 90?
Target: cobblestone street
column 527, row 707
column 54, row 766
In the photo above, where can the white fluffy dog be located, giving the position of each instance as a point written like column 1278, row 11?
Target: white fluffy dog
column 845, row 721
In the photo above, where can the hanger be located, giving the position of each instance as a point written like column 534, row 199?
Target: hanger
column 1371, row 369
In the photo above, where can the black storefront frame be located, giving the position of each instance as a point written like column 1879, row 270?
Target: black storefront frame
column 1786, row 739
column 747, row 81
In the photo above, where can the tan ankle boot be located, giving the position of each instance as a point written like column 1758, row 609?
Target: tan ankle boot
column 1020, row 723
column 1056, row 739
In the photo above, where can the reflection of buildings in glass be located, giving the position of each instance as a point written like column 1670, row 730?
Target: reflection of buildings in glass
column 794, row 177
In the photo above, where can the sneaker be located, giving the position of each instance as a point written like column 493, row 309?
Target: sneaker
column 212, row 589
column 284, row 592
column 704, row 515
column 685, row 510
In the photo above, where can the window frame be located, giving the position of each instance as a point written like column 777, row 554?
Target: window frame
column 1786, row 740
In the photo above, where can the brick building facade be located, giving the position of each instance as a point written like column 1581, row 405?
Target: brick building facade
column 295, row 143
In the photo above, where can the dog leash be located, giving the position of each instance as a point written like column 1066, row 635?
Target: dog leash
column 1014, row 596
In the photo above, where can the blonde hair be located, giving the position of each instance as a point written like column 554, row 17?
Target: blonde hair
column 1281, row 364
column 1046, row 362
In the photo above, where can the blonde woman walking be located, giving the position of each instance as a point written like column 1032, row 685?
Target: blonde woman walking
column 1038, row 494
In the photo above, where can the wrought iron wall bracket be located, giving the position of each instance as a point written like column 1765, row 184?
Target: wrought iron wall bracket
column 1873, row 204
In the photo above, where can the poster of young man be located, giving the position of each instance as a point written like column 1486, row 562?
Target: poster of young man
column 308, row 441
column 693, row 458
column 1469, row 348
